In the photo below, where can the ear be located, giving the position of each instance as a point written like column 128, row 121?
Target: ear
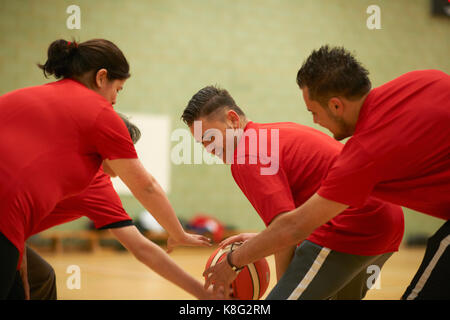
column 336, row 106
column 101, row 78
column 233, row 118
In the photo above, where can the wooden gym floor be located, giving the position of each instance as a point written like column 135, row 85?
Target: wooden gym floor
column 109, row 274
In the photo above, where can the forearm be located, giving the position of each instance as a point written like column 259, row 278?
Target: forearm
column 155, row 201
column 148, row 192
column 157, row 260
column 288, row 230
column 277, row 237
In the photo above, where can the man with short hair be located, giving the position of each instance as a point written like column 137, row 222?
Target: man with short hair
column 278, row 166
column 399, row 151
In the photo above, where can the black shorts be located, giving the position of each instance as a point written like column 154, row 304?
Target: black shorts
column 11, row 286
column 432, row 280
column 319, row 273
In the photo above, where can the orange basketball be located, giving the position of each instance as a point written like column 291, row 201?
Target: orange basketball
column 251, row 282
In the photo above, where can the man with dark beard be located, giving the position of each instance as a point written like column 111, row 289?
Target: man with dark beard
column 399, row 151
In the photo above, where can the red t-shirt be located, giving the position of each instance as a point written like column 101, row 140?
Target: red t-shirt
column 276, row 185
column 99, row 202
column 53, row 140
column 400, row 150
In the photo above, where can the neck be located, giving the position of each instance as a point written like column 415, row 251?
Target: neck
column 86, row 79
column 356, row 109
column 243, row 121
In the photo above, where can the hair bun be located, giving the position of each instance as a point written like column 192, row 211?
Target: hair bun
column 72, row 60
column 59, row 58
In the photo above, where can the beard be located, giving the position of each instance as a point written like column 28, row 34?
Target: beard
column 344, row 130
column 341, row 135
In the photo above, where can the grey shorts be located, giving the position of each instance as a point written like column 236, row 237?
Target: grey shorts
column 318, row 273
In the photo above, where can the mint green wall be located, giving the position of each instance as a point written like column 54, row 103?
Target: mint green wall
column 251, row 47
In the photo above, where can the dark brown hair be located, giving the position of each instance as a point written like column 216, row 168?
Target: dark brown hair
column 207, row 101
column 134, row 131
column 71, row 59
column 333, row 71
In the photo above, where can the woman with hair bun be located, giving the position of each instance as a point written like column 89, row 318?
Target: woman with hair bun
column 54, row 139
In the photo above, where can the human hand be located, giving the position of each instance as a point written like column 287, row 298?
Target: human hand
column 237, row 238
column 220, row 276
column 188, row 239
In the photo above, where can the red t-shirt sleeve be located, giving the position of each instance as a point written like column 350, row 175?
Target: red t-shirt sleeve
column 351, row 179
column 99, row 202
column 58, row 216
column 270, row 195
column 102, row 205
column 111, row 136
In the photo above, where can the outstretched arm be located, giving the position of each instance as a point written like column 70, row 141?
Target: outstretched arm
column 288, row 230
column 150, row 194
column 156, row 259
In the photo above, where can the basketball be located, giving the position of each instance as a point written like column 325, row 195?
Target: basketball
column 251, row 282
